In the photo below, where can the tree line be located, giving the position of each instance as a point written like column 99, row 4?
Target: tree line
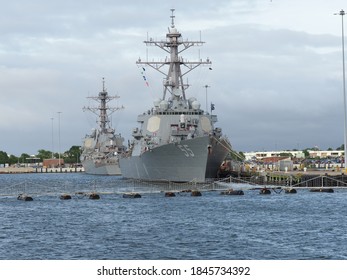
column 73, row 154
column 70, row 156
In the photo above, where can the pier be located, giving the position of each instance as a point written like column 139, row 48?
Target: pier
column 294, row 178
column 19, row 170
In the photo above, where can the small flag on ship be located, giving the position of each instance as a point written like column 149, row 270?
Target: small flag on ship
column 144, row 76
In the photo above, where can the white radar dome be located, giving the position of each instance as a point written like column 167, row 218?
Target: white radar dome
column 196, row 105
column 156, row 102
column 191, row 100
column 163, row 105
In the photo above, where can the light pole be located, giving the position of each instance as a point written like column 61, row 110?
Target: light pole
column 206, row 86
column 52, row 139
column 342, row 13
column 59, row 136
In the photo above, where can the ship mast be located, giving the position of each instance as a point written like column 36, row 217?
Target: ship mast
column 103, row 111
column 174, row 45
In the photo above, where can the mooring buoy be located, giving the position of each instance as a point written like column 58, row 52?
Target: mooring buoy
column 290, row 190
column 196, row 193
column 94, row 196
column 265, row 191
column 232, row 192
column 186, row 191
column 327, row 190
column 131, row 195
column 170, row 194
column 65, row 196
column 24, row 197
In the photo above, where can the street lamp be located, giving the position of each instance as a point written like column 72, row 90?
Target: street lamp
column 59, row 136
column 52, row 138
column 342, row 13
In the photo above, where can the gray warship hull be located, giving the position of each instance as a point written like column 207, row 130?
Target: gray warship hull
column 94, row 168
column 190, row 160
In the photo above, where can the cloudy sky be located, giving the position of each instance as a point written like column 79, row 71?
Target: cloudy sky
column 276, row 78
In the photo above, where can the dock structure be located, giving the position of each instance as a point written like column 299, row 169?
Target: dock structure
column 20, row 170
column 313, row 179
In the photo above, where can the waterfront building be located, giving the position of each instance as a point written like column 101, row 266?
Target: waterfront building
column 295, row 154
column 269, row 154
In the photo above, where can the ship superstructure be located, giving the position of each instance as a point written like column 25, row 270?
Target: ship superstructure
column 176, row 140
column 102, row 148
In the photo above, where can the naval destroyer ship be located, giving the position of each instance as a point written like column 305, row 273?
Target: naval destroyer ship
column 101, row 149
column 176, row 140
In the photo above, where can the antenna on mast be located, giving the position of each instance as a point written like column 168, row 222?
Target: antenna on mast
column 103, row 84
column 172, row 18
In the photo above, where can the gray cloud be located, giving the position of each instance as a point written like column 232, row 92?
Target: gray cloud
column 276, row 78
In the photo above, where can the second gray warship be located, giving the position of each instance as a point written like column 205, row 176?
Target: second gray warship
column 102, row 148
column 176, row 140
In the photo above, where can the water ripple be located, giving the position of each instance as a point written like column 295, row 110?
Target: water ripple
column 280, row 226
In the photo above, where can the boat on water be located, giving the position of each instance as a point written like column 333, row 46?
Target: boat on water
column 176, row 140
column 102, row 148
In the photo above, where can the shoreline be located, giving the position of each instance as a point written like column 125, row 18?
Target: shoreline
column 25, row 170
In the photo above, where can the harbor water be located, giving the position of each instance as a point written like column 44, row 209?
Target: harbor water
column 283, row 226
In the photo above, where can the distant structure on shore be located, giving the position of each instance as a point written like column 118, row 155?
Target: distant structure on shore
column 296, row 154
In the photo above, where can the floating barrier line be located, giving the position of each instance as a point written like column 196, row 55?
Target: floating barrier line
column 120, row 187
column 322, row 183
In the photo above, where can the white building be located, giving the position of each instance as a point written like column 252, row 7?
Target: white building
column 325, row 154
column 296, row 154
column 261, row 155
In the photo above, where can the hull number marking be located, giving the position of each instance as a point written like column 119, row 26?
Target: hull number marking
column 186, row 150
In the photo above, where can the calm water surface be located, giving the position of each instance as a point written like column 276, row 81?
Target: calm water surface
column 277, row 226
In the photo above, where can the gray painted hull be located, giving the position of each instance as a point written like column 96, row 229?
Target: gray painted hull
column 101, row 168
column 190, row 160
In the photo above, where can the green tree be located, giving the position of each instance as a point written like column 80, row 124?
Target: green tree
column 286, row 155
column 72, row 155
column 23, row 158
column 306, row 153
column 43, row 154
column 3, row 157
column 341, row 148
column 13, row 159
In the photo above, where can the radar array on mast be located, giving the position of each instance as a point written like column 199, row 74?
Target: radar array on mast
column 103, row 111
column 174, row 77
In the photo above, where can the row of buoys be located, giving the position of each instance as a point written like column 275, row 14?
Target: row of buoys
column 25, row 197
column 292, row 190
column 90, row 196
column 262, row 191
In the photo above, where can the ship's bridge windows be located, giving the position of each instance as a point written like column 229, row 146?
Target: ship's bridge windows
column 179, row 113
